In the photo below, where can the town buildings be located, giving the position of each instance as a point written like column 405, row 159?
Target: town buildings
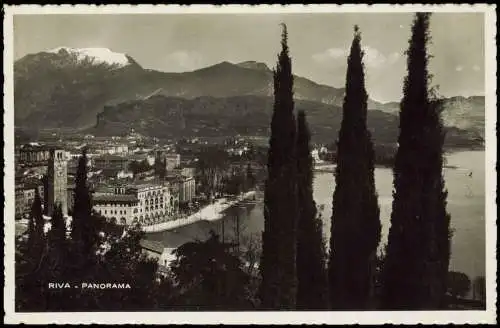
column 25, row 195
column 110, row 162
column 34, row 154
column 143, row 197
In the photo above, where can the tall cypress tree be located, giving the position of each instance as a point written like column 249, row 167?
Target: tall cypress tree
column 418, row 250
column 57, row 248
column 355, row 229
column 83, row 230
column 36, row 234
column 312, row 290
column 57, row 233
column 277, row 266
column 30, row 232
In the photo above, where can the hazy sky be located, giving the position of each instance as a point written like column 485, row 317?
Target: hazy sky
column 318, row 43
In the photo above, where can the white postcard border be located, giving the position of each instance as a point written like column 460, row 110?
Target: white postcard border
column 285, row 317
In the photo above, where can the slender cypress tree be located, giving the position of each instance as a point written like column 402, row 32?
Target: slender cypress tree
column 312, row 290
column 30, row 232
column 57, row 233
column 83, row 231
column 277, row 266
column 57, row 249
column 36, row 235
column 418, row 250
column 355, row 229
column 39, row 221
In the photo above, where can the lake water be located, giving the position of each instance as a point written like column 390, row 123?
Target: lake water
column 466, row 204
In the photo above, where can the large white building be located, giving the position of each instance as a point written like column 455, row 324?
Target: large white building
column 117, row 208
column 146, row 203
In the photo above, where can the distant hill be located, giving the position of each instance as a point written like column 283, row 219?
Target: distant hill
column 170, row 117
column 80, row 88
column 467, row 113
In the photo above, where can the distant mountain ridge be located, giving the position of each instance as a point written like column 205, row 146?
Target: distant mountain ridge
column 69, row 88
column 174, row 117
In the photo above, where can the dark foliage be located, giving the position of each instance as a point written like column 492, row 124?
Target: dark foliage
column 141, row 166
column 355, row 229
column 209, row 277
column 312, row 287
column 277, row 265
column 418, row 251
column 458, row 284
column 85, row 227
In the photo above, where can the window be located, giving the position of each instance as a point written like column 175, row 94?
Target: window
column 105, row 212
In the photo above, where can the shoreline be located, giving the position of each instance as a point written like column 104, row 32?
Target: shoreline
column 211, row 212
column 329, row 167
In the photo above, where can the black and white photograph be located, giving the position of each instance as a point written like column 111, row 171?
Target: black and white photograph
column 250, row 164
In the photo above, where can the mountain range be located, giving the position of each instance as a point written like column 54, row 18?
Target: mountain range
column 98, row 90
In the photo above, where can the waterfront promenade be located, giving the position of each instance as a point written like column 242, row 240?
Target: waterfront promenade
column 211, row 212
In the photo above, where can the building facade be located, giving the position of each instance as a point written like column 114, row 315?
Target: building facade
column 57, row 174
column 145, row 203
column 24, row 197
column 34, row 154
column 117, row 208
column 154, row 202
column 173, row 161
column 110, row 162
column 70, row 196
column 187, row 189
column 184, row 171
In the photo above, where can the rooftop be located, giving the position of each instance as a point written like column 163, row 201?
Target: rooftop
column 115, row 198
column 109, row 157
column 151, row 245
column 35, row 146
column 141, row 184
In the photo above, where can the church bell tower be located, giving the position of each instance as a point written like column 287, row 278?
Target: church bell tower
column 57, row 181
